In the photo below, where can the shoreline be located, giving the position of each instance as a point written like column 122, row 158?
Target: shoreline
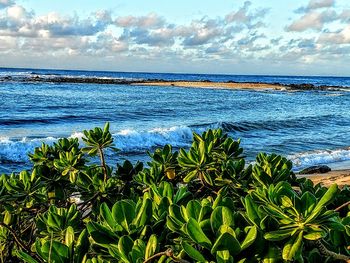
column 257, row 86
column 340, row 177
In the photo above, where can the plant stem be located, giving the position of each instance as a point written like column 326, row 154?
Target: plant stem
column 103, row 163
column 324, row 251
column 13, row 233
column 343, row 205
column 18, row 241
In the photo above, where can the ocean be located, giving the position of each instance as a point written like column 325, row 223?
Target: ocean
column 309, row 127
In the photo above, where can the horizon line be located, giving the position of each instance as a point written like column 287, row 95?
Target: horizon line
column 175, row 73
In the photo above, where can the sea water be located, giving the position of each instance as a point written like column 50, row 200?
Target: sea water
column 309, row 127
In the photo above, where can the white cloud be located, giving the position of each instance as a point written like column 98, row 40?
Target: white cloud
column 246, row 16
column 6, row 3
column 344, row 16
column 100, row 32
column 18, row 13
column 313, row 20
column 340, row 37
column 152, row 20
column 7, row 44
column 315, row 4
column 239, row 36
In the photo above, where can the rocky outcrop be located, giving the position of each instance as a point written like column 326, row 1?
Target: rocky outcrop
column 306, row 86
column 316, row 169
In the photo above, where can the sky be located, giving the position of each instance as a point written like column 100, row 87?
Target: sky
column 289, row 37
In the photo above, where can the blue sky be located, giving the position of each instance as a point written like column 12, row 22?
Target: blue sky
column 200, row 36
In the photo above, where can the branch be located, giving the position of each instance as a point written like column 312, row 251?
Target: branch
column 19, row 242
column 343, row 205
column 324, row 251
column 103, row 163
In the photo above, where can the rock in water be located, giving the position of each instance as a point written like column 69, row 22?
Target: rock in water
column 321, row 169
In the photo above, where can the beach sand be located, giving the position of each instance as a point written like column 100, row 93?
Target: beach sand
column 340, row 177
column 207, row 84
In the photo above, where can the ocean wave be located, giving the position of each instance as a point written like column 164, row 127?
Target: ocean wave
column 14, row 73
column 274, row 125
column 131, row 141
column 305, row 159
column 43, row 120
column 17, row 150
column 127, row 140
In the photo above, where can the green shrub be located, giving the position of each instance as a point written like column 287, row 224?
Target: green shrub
column 203, row 204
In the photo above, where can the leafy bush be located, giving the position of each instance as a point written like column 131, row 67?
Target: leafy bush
column 203, row 204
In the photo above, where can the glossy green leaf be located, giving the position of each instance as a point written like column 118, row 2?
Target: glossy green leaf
column 292, row 247
column 250, row 238
column 192, row 252
column 144, row 214
column 106, row 214
column 221, row 216
column 226, row 241
column 326, row 198
column 273, row 255
column 224, row 256
column 151, row 246
column 69, row 238
column 25, row 257
column 101, row 234
column 278, row 234
column 124, row 213
column 315, row 235
column 251, row 209
column 82, row 246
column 125, row 245
column 196, row 233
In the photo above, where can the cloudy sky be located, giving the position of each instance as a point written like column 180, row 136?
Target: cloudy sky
column 291, row 37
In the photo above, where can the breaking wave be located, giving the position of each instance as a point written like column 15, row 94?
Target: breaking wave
column 127, row 140
column 305, row 159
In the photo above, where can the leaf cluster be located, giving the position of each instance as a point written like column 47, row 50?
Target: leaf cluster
column 201, row 204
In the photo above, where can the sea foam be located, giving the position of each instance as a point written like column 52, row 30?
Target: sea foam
column 138, row 141
column 127, row 140
column 305, row 159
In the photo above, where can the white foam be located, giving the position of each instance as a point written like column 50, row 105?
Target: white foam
column 78, row 135
column 132, row 140
column 305, row 159
column 17, row 151
column 127, row 140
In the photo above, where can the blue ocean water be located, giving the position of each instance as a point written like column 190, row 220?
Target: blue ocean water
column 310, row 127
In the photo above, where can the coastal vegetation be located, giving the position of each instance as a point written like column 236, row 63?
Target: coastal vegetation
column 202, row 204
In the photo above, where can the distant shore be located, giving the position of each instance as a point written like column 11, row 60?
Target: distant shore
column 242, row 85
column 209, row 84
column 177, row 83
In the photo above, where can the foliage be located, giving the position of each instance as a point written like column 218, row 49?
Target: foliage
column 201, row 204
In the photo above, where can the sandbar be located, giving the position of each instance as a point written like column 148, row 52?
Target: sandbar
column 222, row 85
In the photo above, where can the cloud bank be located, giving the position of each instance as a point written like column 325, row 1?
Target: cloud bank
column 318, row 32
